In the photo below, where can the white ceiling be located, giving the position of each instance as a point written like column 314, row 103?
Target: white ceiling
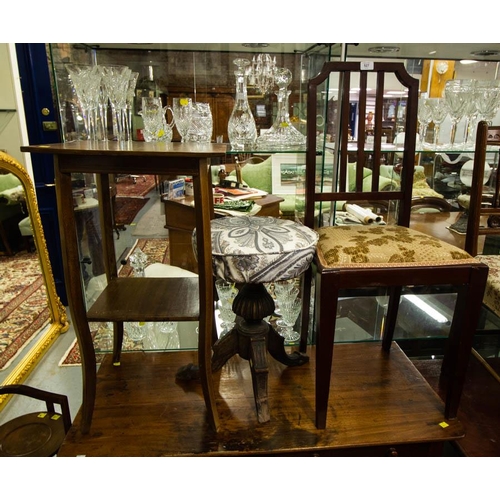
column 448, row 51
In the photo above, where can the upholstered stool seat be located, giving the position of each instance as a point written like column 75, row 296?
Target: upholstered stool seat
column 251, row 251
column 260, row 249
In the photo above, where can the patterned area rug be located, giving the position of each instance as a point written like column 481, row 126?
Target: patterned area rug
column 125, row 186
column 23, row 304
column 157, row 250
column 126, row 209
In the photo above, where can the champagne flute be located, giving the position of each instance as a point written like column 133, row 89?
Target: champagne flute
column 182, row 109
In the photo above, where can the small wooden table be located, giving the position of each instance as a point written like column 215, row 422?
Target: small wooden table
column 180, row 222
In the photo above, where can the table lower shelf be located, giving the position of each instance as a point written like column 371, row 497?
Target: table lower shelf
column 147, row 299
column 379, row 405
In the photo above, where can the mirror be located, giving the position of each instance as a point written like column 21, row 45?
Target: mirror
column 36, row 347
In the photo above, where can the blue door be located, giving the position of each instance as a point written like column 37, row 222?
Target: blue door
column 41, row 116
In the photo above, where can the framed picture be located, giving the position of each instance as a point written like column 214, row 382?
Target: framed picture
column 288, row 171
column 493, row 135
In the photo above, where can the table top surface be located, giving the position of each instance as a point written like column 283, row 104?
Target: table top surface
column 188, row 149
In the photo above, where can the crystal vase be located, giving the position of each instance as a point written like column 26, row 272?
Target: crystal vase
column 241, row 127
column 282, row 134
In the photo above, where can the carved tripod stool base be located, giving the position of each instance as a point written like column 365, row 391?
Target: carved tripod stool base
column 252, row 338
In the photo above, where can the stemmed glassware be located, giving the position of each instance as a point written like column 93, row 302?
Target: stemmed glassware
column 182, row 109
column 116, row 80
column 287, row 307
column 86, row 81
column 424, row 115
column 290, row 311
column 439, row 113
column 471, row 117
column 457, row 93
column 129, row 100
column 226, row 292
column 487, row 98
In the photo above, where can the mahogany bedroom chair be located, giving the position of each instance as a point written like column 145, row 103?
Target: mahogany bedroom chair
column 484, row 213
column 37, row 434
column 356, row 258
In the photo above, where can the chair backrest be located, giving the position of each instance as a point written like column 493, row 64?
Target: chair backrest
column 50, row 399
column 345, row 138
column 484, row 205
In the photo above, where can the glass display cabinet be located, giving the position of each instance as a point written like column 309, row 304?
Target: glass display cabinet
column 205, row 73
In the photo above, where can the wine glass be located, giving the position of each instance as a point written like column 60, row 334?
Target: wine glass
column 182, row 109
column 424, row 115
column 439, row 111
column 487, row 98
column 290, row 311
column 226, row 292
column 471, row 117
column 456, row 95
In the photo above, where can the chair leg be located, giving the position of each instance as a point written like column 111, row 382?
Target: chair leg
column 324, row 350
column 117, row 342
column 391, row 317
column 306, row 307
column 461, row 338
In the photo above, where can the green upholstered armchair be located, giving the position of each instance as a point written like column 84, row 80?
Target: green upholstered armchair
column 11, row 210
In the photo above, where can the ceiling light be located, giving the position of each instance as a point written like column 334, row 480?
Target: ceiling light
column 429, row 310
column 485, row 53
column 383, row 49
column 468, row 61
column 255, row 45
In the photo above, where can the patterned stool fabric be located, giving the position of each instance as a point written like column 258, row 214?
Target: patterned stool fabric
column 384, row 246
column 249, row 249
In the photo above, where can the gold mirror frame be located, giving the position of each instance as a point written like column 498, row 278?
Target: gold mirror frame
column 58, row 322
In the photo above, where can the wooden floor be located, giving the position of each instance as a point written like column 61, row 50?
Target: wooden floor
column 376, row 407
column 479, row 410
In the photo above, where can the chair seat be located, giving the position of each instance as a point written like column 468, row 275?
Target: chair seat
column 492, row 292
column 384, row 246
column 252, row 249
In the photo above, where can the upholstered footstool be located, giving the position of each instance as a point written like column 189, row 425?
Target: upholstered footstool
column 251, row 251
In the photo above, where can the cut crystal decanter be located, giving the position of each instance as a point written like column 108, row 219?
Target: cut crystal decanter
column 282, row 134
column 241, row 127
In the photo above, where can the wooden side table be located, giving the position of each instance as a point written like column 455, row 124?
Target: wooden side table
column 132, row 299
column 180, row 222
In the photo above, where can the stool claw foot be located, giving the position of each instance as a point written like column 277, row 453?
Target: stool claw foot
column 276, row 348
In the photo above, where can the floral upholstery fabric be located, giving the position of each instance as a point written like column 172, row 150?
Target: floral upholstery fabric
column 492, row 292
column 251, row 249
column 383, row 246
